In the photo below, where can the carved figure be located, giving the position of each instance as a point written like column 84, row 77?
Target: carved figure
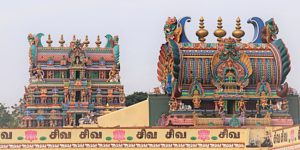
column 38, row 74
column 269, row 32
column 73, row 96
column 221, row 105
column 263, row 101
column 113, row 75
column 196, row 102
column 171, row 30
column 173, row 105
column 242, row 106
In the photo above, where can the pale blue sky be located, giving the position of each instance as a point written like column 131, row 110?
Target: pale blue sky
column 139, row 25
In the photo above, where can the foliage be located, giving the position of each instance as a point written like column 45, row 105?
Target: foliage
column 136, row 97
column 9, row 119
column 6, row 119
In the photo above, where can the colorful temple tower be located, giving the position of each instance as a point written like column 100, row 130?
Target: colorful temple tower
column 71, row 82
column 228, row 82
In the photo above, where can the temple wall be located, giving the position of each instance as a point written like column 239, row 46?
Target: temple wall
column 294, row 108
column 126, row 137
column 135, row 115
column 158, row 105
column 149, row 138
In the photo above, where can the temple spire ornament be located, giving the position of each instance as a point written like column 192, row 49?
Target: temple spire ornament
column 238, row 33
column 49, row 41
column 98, row 42
column 202, row 32
column 219, row 32
column 86, row 41
column 74, row 39
column 62, row 41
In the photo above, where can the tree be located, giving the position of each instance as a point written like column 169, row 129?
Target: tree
column 136, row 97
column 11, row 119
column 17, row 110
column 6, row 119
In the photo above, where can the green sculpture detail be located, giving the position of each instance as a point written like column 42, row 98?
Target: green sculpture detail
column 234, row 121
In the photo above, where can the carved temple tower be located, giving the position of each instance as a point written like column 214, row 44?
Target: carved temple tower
column 70, row 82
column 227, row 78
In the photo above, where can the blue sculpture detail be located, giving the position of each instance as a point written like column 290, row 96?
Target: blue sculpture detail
column 258, row 24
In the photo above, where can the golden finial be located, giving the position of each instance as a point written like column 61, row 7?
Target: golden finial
column 238, row 33
column 74, row 39
column 61, row 41
column 106, row 110
column 98, row 42
column 219, row 32
column 86, row 41
column 49, row 41
column 202, row 33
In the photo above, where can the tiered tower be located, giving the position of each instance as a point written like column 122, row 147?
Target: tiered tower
column 70, row 82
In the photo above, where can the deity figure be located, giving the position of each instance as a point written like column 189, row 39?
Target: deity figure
column 284, row 105
column 77, row 60
column 102, row 75
column 221, row 104
column 90, row 93
column 181, row 105
column 73, row 96
column 230, row 76
column 173, row 105
column 196, row 102
column 70, row 120
column 196, row 94
column 49, row 74
column 66, row 94
column 234, row 121
column 72, row 76
column 278, row 105
column 43, row 95
column 38, row 73
column 231, row 68
column 43, row 99
column 242, row 106
column 62, row 74
column 263, row 87
column 113, row 75
column 263, row 101
column 82, row 74
column 83, row 96
column 63, row 61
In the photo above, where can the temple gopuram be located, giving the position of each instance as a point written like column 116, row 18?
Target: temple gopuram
column 229, row 82
column 70, row 82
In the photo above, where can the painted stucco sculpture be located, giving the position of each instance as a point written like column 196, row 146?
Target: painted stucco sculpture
column 71, row 83
column 246, row 77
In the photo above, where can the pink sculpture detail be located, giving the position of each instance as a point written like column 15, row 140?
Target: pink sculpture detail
column 119, row 135
column 203, row 134
column 30, row 135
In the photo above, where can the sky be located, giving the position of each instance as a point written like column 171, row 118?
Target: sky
column 139, row 25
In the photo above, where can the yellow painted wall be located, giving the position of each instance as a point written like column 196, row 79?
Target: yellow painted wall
column 146, row 138
column 132, row 116
column 139, row 135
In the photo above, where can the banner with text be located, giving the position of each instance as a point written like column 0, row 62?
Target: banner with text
column 119, row 137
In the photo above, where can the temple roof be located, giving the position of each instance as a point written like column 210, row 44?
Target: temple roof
column 39, row 53
column 243, row 64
